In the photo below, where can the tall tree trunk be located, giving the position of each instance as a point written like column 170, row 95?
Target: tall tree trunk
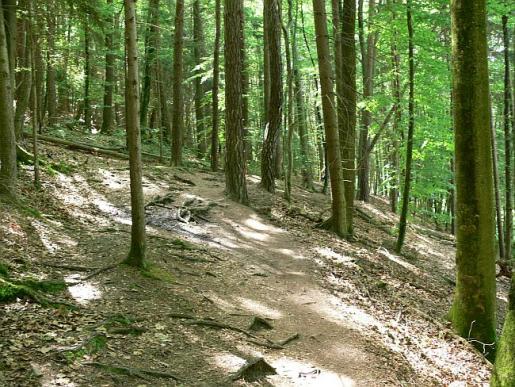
column 498, row 206
column 508, row 138
column 289, row 118
column 269, row 152
column 178, row 103
column 235, row 169
column 24, row 77
column 347, row 108
column 51, row 95
column 337, row 221
column 216, row 81
column 136, row 255
column 108, row 108
column 151, row 52
column 473, row 310
column 34, row 98
column 300, row 111
column 87, row 75
column 7, row 136
column 198, row 50
column 9, row 10
column 411, row 127
column 368, row 53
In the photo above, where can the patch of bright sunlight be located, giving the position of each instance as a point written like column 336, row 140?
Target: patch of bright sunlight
column 82, row 292
column 398, row 260
column 290, row 253
column 293, row 372
column 246, row 232
column 227, row 361
column 256, row 223
column 375, row 211
column 112, row 180
column 45, row 236
column 328, row 253
column 258, row 308
column 341, row 312
column 254, row 179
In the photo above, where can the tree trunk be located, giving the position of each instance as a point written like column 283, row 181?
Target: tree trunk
column 338, row 221
column 289, row 118
column 151, row 52
column 136, row 255
column 473, row 310
column 34, row 97
column 7, row 136
column 347, row 108
column 51, row 95
column 498, row 207
column 504, row 369
column 198, row 50
column 216, row 81
column 235, row 169
column 368, row 53
column 411, row 127
column 178, row 103
column 9, row 10
column 24, row 78
column 87, row 75
column 269, row 152
column 508, row 138
column 108, row 108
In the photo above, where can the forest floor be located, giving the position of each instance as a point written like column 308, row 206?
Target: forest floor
column 364, row 315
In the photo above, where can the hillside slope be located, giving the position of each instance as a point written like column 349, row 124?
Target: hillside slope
column 364, row 315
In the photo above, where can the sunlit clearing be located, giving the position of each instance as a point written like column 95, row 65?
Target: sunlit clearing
column 259, row 308
column 330, row 254
column 84, row 292
column 305, row 374
column 227, row 361
column 52, row 239
column 290, row 253
column 342, row 313
column 399, row 261
column 255, row 223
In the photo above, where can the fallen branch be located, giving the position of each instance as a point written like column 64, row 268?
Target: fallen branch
column 220, row 325
column 183, row 180
column 129, row 371
column 101, row 270
column 68, row 267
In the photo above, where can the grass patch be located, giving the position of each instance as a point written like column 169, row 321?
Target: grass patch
column 158, row 273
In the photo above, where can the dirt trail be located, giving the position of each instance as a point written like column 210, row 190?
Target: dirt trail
column 283, row 283
column 355, row 306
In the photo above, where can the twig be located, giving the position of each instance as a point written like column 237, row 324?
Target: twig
column 129, row 371
column 289, row 339
column 68, row 267
column 101, row 270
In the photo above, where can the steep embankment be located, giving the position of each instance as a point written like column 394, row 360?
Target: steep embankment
column 364, row 315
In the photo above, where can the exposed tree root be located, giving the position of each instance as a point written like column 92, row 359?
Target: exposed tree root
column 101, row 270
column 129, row 371
column 263, row 342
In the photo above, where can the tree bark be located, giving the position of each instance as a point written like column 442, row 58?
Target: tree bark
column 151, row 52
column 178, row 103
column 338, row 221
column 216, row 81
column 269, row 152
column 473, row 310
column 347, row 108
column 110, row 59
column 24, row 78
column 198, row 50
column 9, row 10
column 87, row 75
column 51, row 94
column 7, row 136
column 508, row 138
column 411, row 127
column 235, row 168
column 136, row 255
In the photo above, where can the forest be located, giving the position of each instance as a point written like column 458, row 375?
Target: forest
column 246, row 193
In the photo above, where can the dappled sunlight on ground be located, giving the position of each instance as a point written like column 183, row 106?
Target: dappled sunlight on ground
column 329, row 253
column 398, row 260
column 85, row 292
column 53, row 240
column 227, row 361
column 258, row 307
column 300, row 373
